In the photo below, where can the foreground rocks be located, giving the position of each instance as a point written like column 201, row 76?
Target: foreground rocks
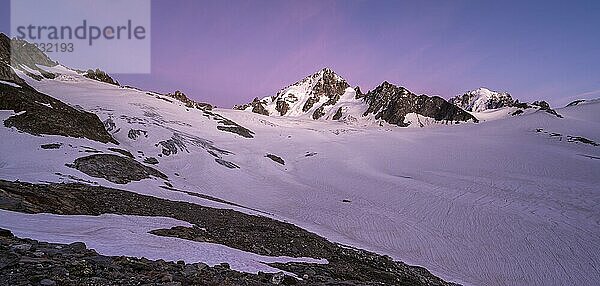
column 257, row 234
column 31, row 262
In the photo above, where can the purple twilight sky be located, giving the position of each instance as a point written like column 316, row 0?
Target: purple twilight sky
column 228, row 52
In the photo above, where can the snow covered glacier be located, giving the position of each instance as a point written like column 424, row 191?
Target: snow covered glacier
column 512, row 200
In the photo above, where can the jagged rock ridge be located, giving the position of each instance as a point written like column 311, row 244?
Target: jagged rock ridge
column 392, row 103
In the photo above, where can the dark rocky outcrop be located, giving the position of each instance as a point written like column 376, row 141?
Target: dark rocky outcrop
column 257, row 105
column 239, row 130
column 38, row 113
column 543, row 105
column 230, row 125
column 568, row 138
column 114, row 168
column 257, row 234
column 275, row 158
column 575, row 102
column 282, row 106
column 358, row 92
column 392, row 103
column 338, row 114
column 134, row 134
column 51, row 146
column 151, row 161
column 539, row 105
column 226, row 163
column 100, row 75
column 319, row 112
column 309, row 103
column 178, row 95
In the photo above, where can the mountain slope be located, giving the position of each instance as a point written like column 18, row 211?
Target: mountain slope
column 512, row 201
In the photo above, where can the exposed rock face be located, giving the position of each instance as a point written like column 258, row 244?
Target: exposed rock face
column 100, row 76
column 318, row 113
column 189, row 102
column 482, row 99
column 358, row 92
column 392, row 103
column 282, row 107
column 338, row 114
column 117, row 169
column 258, row 107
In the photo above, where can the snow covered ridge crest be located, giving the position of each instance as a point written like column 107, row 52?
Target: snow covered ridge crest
column 482, row 99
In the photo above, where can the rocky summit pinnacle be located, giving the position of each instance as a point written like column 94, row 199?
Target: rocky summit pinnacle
column 310, row 95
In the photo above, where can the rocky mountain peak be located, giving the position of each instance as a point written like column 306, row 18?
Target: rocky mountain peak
column 318, row 90
column 319, row 82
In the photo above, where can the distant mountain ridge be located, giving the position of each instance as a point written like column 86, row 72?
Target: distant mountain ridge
column 326, row 95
